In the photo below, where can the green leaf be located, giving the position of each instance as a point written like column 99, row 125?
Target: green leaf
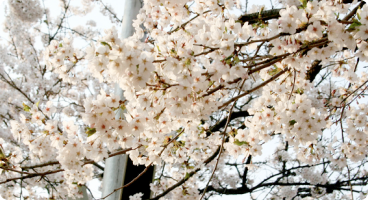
column 359, row 11
column 229, row 57
column 122, row 107
column 26, row 107
column 157, row 117
column 90, row 131
column 2, row 155
column 173, row 51
column 354, row 25
column 237, row 142
column 179, row 130
column 106, row 44
column 180, row 143
column 190, row 167
column 188, row 62
column 292, row 122
column 233, row 132
column 187, row 176
column 60, row 45
column 274, row 71
column 304, row 3
column 210, row 83
column 300, row 91
column 236, row 60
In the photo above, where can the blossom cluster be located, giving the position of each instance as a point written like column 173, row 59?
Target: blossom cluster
column 26, row 10
column 198, row 66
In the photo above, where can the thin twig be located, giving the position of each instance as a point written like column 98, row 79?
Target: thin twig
column 185, row 23
column 222, row 143
column 110, row 11
column 89, row 191
column 355, row 91
column 254, row 89
column 292, row 89
column 187, row 176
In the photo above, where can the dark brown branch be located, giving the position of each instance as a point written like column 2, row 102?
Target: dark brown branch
column 41, row 165
column 222, row 123
column 330, row 187
column 244, row 178
column 260, row 16
column 314, row 70
column 353, row 12
column 275, row 14
column 31, row 176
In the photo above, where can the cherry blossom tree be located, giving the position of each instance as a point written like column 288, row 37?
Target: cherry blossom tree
column 223, row 99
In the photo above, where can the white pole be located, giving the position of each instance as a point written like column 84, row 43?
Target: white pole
column 115, row 167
